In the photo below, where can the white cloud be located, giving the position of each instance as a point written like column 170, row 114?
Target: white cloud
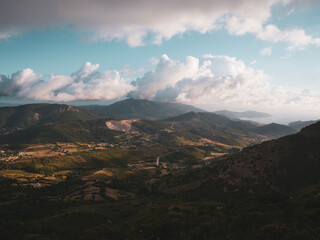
column 217, row 81
column 85, row 84
column 220, row 81
column 167, row 73
column 266, row 51
column 134, row 21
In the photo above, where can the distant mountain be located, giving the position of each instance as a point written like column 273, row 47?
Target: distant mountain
column 246, row 114
column 143, row 109
column 25, row 116
column 275, row 130
column 298, row 125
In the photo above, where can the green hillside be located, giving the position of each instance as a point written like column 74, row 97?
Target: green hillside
column 215, row 127
column 186, row 129
column 68, row 131
column 25, row 116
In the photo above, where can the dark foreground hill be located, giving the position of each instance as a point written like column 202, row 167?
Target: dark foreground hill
column 143, row 109
column 288, row 164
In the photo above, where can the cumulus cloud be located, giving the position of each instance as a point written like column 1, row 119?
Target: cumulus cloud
column 134, row 21
column 266, row 51
column 217, row 81
column 167, row 73
column 85, row 84
column 210, row 80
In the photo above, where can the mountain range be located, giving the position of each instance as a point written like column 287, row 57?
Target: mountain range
column 63, row 123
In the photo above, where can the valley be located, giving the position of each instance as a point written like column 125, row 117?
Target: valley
column 195, row 175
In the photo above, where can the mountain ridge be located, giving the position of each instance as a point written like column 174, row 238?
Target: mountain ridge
column 298, row 125
column 28, row 115
column 275, row 130
column 143, row 109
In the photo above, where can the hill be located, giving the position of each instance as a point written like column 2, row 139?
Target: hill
column 142, row 109
column 245, row 114
column 186, row 129
column 298, row 125
column 67, row 131
column 274, row 130
column 267, row 191
column 25, row 116
column 213, row 120
column 288, row 163
column 217, row 128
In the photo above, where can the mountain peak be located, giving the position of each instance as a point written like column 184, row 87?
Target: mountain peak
column 143, row 109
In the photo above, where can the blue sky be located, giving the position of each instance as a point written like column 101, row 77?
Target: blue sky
column 268, row 46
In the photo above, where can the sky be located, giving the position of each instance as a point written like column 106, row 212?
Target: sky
column 234, row 54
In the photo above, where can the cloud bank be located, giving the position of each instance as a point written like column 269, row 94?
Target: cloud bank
column 218, row 81
column 85, row 84
column 134, row 21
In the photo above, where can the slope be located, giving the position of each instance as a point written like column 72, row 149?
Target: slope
column 288, row 165
column 274, row 130
column 25, row 116
column 298, row 125
column 68, row 131
column 216, row 128
column 187, row 129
